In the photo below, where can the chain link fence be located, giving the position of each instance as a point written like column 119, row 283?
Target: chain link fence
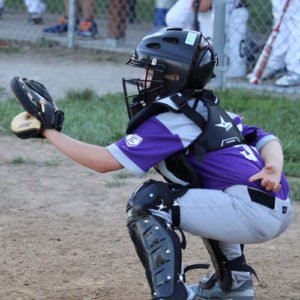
column 239, row 31
column 261, row 51
column 119, row 23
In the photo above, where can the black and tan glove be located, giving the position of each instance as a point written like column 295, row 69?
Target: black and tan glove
column 41, row 112
column 26, row 126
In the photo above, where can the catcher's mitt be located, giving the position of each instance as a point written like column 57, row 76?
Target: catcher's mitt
column 38, row 103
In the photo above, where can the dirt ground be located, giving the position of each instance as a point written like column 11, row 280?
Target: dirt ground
column 63, row 234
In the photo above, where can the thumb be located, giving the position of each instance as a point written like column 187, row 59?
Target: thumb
column 255, row 177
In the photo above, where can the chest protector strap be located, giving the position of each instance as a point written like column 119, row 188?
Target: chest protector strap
column 218, row 132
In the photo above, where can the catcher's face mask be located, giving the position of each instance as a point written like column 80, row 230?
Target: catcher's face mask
column 139, row 92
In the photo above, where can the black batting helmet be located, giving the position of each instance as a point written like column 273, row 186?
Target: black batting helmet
column 170, row 51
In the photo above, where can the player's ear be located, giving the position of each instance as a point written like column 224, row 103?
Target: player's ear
column 173, row 77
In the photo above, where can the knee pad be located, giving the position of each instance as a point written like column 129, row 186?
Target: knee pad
column 155, row 195
column 150, row 195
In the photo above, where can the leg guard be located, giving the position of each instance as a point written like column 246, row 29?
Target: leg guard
column 223, row 266
column 156, row 243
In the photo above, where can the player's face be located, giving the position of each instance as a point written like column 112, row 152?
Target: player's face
column 172, row 77
column 146, row 78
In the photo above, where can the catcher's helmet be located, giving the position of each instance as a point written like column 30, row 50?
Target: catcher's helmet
column 170, row 51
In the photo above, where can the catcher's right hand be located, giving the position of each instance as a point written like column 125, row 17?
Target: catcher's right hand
column 37, row 101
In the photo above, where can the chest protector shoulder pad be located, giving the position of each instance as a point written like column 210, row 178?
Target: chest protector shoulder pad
column 218, row 131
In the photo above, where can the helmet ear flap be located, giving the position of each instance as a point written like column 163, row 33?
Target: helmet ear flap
column 203, row 67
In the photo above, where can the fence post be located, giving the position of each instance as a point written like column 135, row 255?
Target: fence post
column 71, row 24
column 219, row 7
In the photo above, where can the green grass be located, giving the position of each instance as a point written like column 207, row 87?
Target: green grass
column 9, row 49
column 122, row 175
column 102, row 120
column 295, row 188
column 93, row 119
column 19, row 160
column 9, row 108
column 43, row 42
column 88, row 117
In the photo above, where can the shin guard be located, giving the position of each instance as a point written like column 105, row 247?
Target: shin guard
column 159, row 250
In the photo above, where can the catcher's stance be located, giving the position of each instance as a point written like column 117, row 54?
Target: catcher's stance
column 224, row 179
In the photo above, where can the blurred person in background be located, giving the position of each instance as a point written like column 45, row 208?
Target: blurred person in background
column 182, row 13
column 118, row 14
column 1, row 7
column 284, row 60
column 160, row 11
column 35, row 9
column 85, row 20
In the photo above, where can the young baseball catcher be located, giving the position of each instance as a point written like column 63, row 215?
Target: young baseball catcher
column 223, row 179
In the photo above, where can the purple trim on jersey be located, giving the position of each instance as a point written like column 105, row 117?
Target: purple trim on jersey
column 157, row 144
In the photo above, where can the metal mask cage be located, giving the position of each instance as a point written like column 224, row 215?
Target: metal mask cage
column 137, row 94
